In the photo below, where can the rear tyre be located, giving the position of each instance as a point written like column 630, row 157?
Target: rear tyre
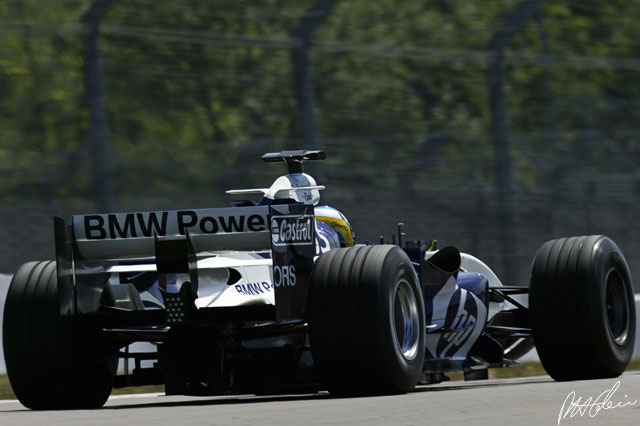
column 582, row 308
column 50, row 364
column 366, row 322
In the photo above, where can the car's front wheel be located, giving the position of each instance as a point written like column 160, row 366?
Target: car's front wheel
column 582, row 308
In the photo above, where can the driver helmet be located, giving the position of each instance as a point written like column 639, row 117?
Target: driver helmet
column 338, row 222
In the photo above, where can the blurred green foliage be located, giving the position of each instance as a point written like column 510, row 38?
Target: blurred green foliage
column 194, row 86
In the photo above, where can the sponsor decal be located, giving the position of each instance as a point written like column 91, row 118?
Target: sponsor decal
column 339, row 225
column 135, row 225
column 293, row 247
column 284, row 276
column 253, row 289
column 275, row 231
column 456, row 321
column 291, row 230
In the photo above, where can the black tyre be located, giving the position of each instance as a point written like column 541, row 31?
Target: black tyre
column 582, row 308
column 50, row 363
column 366, row 321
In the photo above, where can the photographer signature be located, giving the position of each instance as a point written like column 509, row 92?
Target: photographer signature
column 572, row 406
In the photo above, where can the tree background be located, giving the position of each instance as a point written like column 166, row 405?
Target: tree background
column 491, row 125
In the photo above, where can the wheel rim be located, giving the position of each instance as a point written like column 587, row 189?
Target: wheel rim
column 617, row 307
column 405, row 319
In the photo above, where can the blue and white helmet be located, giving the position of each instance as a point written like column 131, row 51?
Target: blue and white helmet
column 338, row 222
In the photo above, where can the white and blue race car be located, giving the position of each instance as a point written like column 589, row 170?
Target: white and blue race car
column 274, row 296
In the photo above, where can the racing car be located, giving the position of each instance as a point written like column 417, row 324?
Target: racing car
column 273, row 295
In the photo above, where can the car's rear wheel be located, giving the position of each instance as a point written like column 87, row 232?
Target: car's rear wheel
column 582, row 308
column 367, row 321
column 51, row 364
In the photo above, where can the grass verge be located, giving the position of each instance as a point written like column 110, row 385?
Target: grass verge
column 5, row 388
column 527, row 369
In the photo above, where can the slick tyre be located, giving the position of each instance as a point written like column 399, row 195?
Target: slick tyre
column 582, row 308
column 366, row 322
column 49, row 363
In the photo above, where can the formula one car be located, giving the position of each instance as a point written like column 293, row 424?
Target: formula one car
column 273, row 296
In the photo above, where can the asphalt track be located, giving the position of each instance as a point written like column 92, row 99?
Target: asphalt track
column 523, row 401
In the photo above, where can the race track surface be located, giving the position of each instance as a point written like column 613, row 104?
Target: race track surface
column 524, row 401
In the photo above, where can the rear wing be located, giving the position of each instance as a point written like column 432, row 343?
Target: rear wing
column 132, row 235
column 87, row 248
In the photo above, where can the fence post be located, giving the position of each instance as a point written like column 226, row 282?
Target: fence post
column 304, row 87
column 507, row 214
column 99, row 132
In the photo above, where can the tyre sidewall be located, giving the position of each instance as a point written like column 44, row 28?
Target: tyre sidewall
column 397, row 266
column 606, row 257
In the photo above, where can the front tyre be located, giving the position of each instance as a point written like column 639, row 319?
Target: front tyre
column 50, row 364
column 582, row 306
column 367, row 321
